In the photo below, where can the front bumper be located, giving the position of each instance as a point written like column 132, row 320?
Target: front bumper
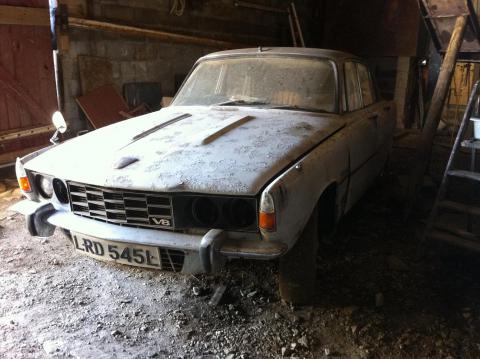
column 204, row 253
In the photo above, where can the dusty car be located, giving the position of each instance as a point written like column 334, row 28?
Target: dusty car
column 260, row 154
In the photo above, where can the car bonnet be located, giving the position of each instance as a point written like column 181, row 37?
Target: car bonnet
column 222, row 150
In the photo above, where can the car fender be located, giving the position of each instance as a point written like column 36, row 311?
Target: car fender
column 297, row 190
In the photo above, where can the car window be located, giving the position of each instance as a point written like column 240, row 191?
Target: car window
column 267, row 81
column 352, row 88
column 366, row 85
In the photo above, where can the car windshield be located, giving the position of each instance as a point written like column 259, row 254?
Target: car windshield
column 278, row 82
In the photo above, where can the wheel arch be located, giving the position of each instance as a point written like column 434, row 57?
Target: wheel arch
column 327, row 208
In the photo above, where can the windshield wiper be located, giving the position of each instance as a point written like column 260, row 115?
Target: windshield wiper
column 241, row 103
column 297, row 108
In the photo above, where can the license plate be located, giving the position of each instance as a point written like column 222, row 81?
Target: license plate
column 118, row 252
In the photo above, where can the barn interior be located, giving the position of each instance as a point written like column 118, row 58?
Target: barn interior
column 399, row 278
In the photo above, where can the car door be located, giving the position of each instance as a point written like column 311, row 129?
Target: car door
column 381, row 113
column 383, row 110
column 362, row 133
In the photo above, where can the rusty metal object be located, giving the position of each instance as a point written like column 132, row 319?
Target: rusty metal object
column 102, row 106
column 441, row 16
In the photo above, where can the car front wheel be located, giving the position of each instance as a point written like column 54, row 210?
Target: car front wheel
column 297, row 273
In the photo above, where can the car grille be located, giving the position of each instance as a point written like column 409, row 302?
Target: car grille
column 128, row 208
column 171, row 260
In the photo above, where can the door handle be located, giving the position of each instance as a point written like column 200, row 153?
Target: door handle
column 374, row 117
column 386, row 109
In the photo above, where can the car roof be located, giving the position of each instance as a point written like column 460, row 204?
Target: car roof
column 299, row 51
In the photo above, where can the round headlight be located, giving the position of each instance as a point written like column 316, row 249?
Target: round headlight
column 204, row 211
column 60, row 190
column 45, row 187
column 242, row 213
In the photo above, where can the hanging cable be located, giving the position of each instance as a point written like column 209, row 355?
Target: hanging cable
column 178, row 7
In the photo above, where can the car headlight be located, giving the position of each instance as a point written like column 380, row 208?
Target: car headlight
column 44, row 185
column 220, row 212
column 60, row 190
column 242, row 213
column 205, row 211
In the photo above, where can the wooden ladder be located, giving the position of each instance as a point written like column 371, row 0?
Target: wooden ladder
column 445, row 232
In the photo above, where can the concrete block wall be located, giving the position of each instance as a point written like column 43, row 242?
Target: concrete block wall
column 132, row 61
column 135, row 59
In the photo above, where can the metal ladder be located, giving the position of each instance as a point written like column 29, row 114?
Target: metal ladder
column 441, row 231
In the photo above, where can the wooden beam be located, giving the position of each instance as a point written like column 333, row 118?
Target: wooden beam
column 260, row 7
column 10, row 157
column 77, row 8
column 25, row 132
column 402, row 89
column 156, row 34
column 434, row 112
column 20, row 15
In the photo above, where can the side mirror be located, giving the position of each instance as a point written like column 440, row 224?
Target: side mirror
column 60, row 124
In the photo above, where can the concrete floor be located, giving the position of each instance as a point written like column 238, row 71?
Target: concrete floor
column 373, row 299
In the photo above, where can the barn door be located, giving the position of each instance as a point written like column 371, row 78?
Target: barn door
column 27, row 79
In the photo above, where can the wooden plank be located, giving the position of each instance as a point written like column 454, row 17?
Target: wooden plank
column 27, row 84
column 8, row 83
column 20, row 15
column 10, row 157
column 15, row 134
column 161, row 35
column 102, row 106
column 94, row 72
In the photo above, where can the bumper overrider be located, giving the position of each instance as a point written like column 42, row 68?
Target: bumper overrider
column 203, row 253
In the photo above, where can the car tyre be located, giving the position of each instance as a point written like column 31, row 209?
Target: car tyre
column 298, row 269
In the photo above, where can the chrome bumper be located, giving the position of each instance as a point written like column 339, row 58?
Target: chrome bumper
column 208, row 252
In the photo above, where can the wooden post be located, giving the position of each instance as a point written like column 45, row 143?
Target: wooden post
column 402, row 89
column 436, row 107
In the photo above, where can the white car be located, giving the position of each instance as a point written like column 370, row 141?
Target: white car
column 260, row 154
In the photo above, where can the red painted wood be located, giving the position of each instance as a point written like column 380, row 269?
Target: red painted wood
column 27, row 80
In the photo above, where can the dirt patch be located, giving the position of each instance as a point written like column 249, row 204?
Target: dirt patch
column 373, row 299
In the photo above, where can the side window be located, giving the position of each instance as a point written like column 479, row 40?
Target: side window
column 352, row 88
column 366, row 85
